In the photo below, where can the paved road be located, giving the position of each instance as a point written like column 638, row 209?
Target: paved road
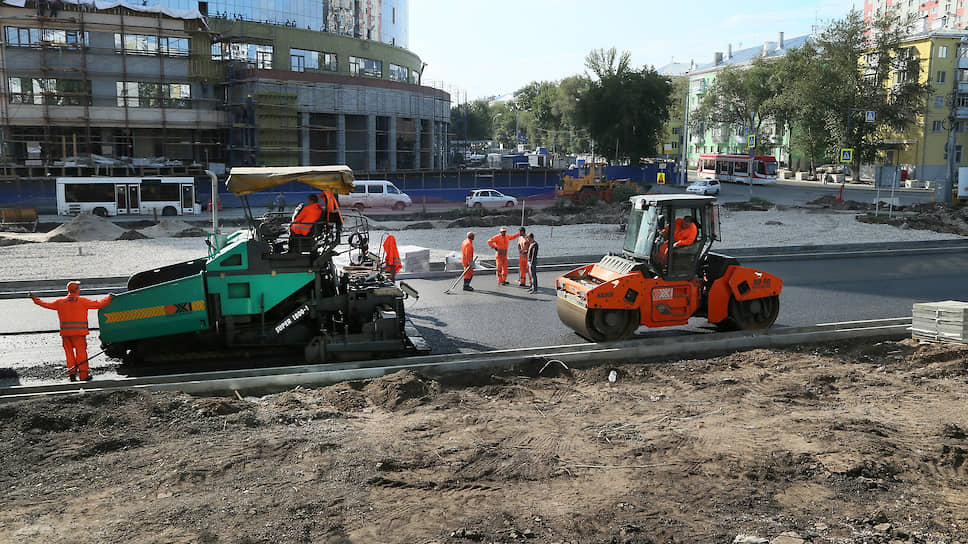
column 821, row 291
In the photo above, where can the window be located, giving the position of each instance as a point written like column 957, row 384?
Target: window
column 31, row 37
column 937, row 126
column 53, row 92
column 939, row 101
column 360, row 66
column 301, row 60
column 139, row 44
column 399, row 73
column 942, row 51
column 941, row 76
column 257, row 55
column 146, row 94
column 958, row 153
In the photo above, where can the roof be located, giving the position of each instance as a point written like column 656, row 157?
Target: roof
column 747, row 55
column 245, row 181
column 683, row 200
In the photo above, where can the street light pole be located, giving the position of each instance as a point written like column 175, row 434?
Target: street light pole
column 949, row 180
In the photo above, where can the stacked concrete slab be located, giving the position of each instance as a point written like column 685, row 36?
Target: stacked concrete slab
column 940, row 321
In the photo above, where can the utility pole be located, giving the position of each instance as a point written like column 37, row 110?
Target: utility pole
column 684, row 148
column 952, row 171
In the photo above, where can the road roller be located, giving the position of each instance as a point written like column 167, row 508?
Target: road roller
column 665, row 275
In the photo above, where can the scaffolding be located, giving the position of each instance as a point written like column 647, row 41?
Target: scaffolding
column 71, row 114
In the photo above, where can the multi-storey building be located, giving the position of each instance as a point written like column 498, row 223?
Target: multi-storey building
column 922, row 148
column 927, row 16
column 705, row 138
column 223, row 82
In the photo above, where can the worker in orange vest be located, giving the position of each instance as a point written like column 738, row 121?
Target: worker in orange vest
column 523, row 244
column 499, row 243
column 685, row 235
column 467, row 259
column 305, row 216
column 391, row 257
column 331, row 213
column 72, row 312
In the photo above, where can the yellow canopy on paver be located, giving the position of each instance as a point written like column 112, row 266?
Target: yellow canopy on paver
column 335, row 179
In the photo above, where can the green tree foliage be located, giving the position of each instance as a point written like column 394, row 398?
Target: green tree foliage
column 471, row 121
column 866, row 69
column 742, row 99
column 624, row 110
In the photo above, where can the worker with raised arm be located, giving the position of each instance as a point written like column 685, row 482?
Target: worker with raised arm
column 72, row 313
column 467, row 260
column 499, row 243
column 524, row 243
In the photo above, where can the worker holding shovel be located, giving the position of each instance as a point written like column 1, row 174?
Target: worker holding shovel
column 72, row 312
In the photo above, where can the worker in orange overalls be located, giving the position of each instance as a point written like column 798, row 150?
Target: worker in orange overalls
column 331, row 213
column 72, row 312
column 524, row 243
column 391, row 257
column 499, row 243
column 467, row 259
column 305, row 216
column 685, row 235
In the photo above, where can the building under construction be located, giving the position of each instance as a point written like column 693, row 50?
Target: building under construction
column 175, row 89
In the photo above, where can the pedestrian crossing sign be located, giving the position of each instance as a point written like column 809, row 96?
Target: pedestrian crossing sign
column 660, row 178
column 846, row 154
column 751, row 141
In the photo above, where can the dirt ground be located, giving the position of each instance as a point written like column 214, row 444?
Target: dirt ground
column 863, row 444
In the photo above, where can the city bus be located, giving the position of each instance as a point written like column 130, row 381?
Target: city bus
column 734, row 168
column 109, row 196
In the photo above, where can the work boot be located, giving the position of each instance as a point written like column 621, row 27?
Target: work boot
column 522, row 285
column 468, row 288
column 72, row 377
column 505, row 283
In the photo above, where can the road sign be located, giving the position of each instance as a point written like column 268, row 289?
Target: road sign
column 869, row 116
column 846, row 154
column 750, row 141
column 660, row 178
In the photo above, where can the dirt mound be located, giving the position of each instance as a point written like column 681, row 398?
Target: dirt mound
column 132, row 235
column 745, row 206
column 167, row 228
column 193, row 232
column 85, row 228
column 400, row 389
column 935, row 217
column 830, row 201
column 422, row 225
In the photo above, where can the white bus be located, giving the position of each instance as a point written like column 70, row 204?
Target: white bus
column 107, row 196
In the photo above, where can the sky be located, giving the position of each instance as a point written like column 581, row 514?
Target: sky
column 484, row 48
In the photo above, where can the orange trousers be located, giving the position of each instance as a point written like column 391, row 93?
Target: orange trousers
column 523, row 268
column 502, row 267
column 75, row 348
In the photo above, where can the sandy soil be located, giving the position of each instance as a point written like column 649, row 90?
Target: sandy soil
column 817, row 444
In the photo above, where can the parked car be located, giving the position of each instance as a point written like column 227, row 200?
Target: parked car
column 704, row 187
column 376, row 193
column 490, row 198
column 833, row 169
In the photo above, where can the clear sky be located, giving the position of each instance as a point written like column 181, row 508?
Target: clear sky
column 493, row 47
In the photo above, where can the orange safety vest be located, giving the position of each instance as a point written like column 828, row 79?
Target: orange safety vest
column 72, row 312
column 330, row 204
column 303, row 223
column 391, row 259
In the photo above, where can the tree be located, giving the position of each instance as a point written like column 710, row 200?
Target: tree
column 801, row 101
column 625, row 110
column 741, row 98
column 471, row 121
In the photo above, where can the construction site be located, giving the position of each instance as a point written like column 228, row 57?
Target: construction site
column 159, row 91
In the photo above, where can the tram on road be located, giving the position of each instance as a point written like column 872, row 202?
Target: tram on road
column 110, row 196
column 735, row 168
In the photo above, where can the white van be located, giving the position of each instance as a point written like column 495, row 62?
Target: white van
column 375, row 193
